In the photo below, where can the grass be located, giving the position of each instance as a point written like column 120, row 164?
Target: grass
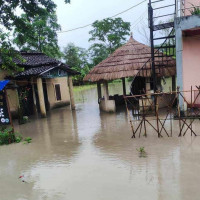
column 83, row 87
column 88, row 87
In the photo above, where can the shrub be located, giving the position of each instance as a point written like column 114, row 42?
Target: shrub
column 7, row 136
column 28, row 140
column 195, row 11
column 18, row 138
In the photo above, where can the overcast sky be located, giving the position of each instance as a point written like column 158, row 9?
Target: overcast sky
column 83, row 12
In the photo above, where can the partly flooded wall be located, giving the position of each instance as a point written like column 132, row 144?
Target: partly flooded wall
column 13, row 101
column 64, row 89
column 191, row 64
column 187, row 55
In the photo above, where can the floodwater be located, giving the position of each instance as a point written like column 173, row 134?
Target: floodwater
column 88, row 155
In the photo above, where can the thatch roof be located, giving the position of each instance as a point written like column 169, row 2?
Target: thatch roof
column 127, row 61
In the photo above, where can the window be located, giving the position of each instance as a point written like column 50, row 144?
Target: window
column 58, row 93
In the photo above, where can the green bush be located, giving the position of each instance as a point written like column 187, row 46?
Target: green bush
column 28, row 140
column 195, row 11
column 7, row 136
column 18, row 138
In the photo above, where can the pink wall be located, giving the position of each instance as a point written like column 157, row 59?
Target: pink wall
column 191, row 64
column 188, row 5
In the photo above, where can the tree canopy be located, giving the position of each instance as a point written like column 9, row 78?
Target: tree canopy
column 39, row 34
column 98, row 52
column 9, row 17
column 107, row 35
column 110, row 32
column 77, row 59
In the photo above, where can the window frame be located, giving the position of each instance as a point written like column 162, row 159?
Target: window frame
column 56, row 94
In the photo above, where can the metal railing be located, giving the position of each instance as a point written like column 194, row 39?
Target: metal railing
column 184, row 8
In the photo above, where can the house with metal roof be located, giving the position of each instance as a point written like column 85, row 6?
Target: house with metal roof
column 44, row 84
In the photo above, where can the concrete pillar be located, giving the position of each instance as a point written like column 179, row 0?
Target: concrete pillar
column 41, row 97
column 179, row 61
column 148, row 85
column 106, row 104
column 124, row 86
column 105, row 90
column 99, row 90
column 34, row 97
column 71, row 93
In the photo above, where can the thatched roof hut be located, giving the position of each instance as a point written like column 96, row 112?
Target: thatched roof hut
column 127, row 61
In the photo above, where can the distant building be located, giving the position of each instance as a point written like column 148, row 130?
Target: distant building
column 46, row 83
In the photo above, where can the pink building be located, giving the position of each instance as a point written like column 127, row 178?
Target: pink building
column 187, row 26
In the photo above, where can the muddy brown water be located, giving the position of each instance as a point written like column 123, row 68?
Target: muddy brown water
column 90, row 155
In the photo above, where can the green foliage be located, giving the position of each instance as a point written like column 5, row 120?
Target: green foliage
column 8, row 53
column 142, row 152
column 110, row 32
column 27, row 140
column 98, row 53
column 196, row 10
column 7, row 136
column 77, row 59
column 9, row 17
column 18, row 138
column 39, row 35
column 107, row 35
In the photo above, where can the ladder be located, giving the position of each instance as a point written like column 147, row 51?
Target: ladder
column 167, row 48
column 153, row 67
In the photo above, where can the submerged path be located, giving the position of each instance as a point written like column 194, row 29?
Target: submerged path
column 90, row 155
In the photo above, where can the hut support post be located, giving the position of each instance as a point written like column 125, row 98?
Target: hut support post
column 148, row 86
column 124, row 86
column 106, row 104
column 173, row 83
column 99, row 90
column 71, row 93
column 105, row 91
column 34, row 97
column 41, row 97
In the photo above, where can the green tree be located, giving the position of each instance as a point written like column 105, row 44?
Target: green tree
column 39, row 35
column 10, row 19
column 7, row 53
column 110, row 32
column 98, row 52
column 77, row 59
column 107, row 35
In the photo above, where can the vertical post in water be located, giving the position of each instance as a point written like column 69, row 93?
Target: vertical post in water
column 124, row 86
column 151, row 24
column 9, row 113
column 71, row 93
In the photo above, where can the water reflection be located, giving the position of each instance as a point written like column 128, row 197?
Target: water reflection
column 88, row 154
